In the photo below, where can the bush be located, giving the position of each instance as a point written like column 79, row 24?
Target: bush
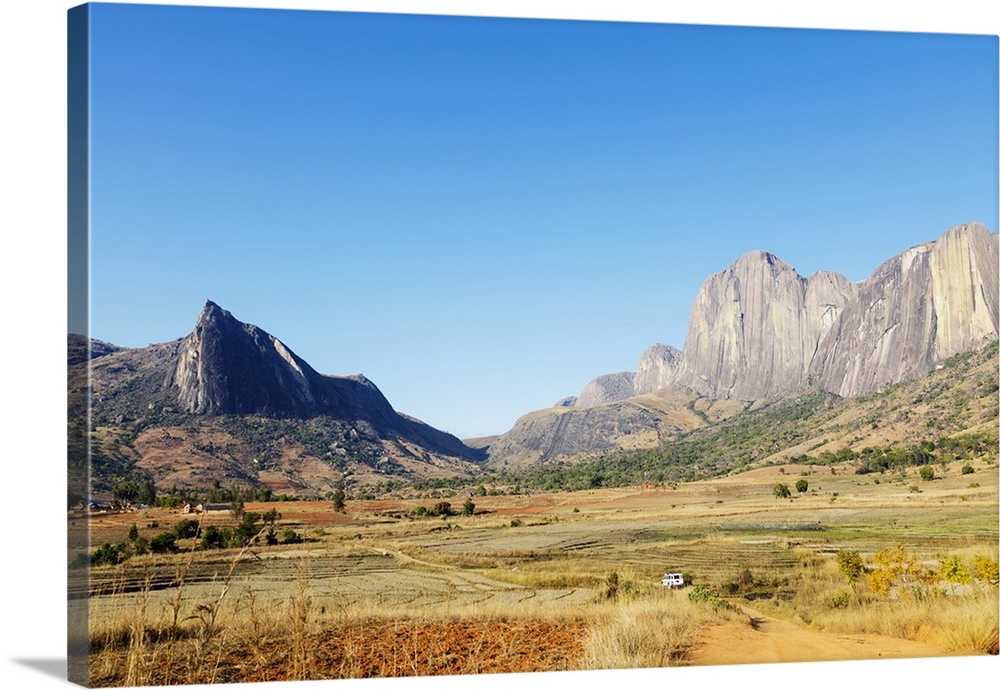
column 927, row 473
column 288, row 536
column 164, row 542
column 840, row 600
column 967, row 469
column 468, row 508
column 703, row 594
column 802, row 486
column 851, row 565
column 952, row 570
column 109, row 554
column 186, row 529
column 987, row 569
column 781, row 491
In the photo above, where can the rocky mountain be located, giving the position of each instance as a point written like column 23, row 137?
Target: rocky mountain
column 657, row 369
column 758, row 330
column 607, row 388
column 917, row 309
column 230, row 402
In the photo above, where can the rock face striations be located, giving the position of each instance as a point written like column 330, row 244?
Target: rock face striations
column 759, row 330
column 225, row 367
column 916, row 310
column 657, row 369
column 228, row 367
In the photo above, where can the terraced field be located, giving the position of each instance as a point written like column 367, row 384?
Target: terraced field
column 532, row 582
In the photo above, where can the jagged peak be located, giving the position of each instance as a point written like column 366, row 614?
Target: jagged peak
column 213, row 310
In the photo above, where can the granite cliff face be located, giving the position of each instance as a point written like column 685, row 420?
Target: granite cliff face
column 564, row 433
column 759, row 330
column 917, row 309
column 755, row 327
column 228, row 367
column 658, row 367
column 196, row 390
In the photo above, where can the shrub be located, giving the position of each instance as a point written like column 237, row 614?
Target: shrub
column 108, row 554
column 927, row 473
column 986, row 569
column 703, row 594
column 802, row 486
column 851, row 565
column 952, row 570
column 967, row 469
column 338, row 500
column 468, row 508
column 288, row 536
column 164, row 542
column 781, row 491
column 211, row 537
column 186, row 529
column 840, row 600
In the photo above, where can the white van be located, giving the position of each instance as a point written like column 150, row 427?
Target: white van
column 672, row 580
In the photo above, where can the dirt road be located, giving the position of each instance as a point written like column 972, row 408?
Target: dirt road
column 769, row 640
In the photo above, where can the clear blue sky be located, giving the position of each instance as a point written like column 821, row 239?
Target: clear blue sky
column 481, row 215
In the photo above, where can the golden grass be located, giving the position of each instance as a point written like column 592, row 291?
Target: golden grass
column 652, row 632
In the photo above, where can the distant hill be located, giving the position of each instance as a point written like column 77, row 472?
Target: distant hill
column 231, row 404
column 949, row 415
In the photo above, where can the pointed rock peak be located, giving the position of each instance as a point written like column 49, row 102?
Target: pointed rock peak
column 213, row 310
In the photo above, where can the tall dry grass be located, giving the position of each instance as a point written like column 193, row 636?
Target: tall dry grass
column 652, row 631
column 962, row 621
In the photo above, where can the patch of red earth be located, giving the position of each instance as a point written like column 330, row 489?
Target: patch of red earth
column 379, row 649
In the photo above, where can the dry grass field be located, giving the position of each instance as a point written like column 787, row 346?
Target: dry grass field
column 549, row 582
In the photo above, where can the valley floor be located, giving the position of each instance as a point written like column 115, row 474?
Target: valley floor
column 553, row 582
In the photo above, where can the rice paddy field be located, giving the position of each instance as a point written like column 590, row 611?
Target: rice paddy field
column 532, row 582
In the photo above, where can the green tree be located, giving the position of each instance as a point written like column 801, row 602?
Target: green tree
column 338, row 500
column 802, row 486
column 133, row 532
column 468, row 508
column 927, row 473
column 851, row 565
column 147, row 493
column 781, row 491
column 165, row 542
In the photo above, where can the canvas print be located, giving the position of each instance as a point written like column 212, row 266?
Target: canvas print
column 417, row 345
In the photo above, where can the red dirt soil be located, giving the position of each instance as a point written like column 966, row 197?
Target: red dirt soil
column 379, row 649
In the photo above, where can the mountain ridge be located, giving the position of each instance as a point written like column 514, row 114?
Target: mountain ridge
column 758, row 330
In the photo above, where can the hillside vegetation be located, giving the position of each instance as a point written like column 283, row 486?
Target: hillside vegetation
column 942, row 417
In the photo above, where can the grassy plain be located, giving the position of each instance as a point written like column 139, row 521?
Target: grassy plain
column 545, row 582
